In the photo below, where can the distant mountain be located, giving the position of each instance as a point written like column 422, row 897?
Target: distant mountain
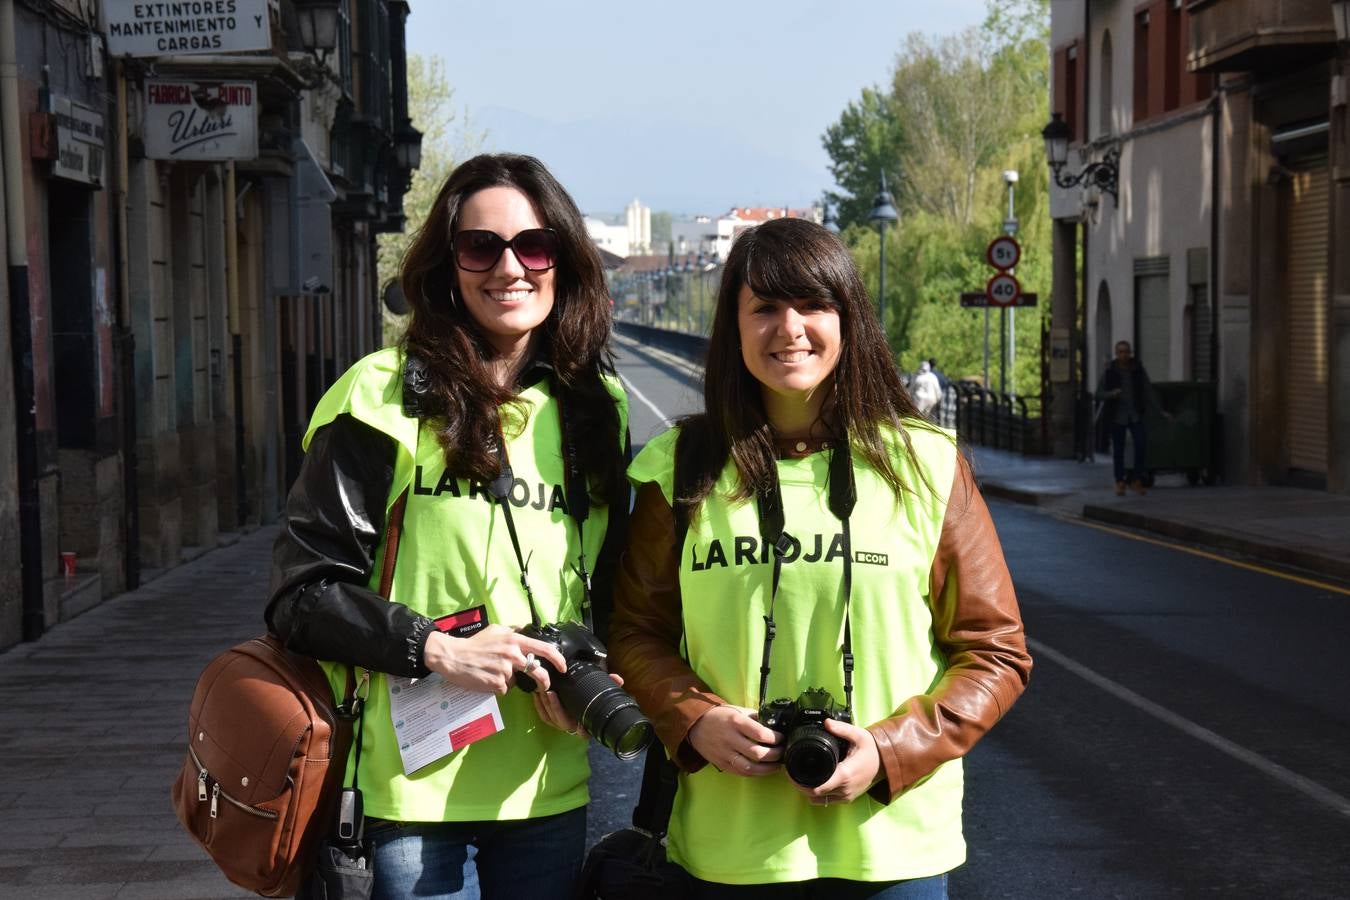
column 606, row 162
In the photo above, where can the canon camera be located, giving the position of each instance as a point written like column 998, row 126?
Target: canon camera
column 588, row 694
column 810, row 753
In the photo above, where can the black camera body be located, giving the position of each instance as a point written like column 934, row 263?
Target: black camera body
column 587, row 692
column 810, row 753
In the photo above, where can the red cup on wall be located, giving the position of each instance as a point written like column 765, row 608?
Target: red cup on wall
column 68, row 563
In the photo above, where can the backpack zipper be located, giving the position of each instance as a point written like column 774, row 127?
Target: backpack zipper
column 217, row 793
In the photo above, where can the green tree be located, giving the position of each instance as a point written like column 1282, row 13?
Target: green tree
column 957, row 112
column 867, row 140
column 447, row 138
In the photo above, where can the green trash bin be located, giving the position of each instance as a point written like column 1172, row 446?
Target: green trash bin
column 1186, row 443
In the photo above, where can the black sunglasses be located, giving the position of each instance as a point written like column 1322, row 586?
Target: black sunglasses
column 477, row 250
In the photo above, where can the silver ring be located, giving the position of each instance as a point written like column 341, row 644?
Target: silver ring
column 827, row 799
column 530, row 663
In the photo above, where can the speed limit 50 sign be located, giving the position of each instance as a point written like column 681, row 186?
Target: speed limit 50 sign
column 1003, row 289
column 1003, row 253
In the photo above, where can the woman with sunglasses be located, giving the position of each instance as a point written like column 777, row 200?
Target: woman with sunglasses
column 835, row 553
column 507, row 520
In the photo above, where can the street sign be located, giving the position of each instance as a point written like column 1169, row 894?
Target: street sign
column 1003, row 253
column 978, row 300
column 1003, row 289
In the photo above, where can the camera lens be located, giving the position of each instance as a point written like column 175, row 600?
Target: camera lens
column 604, row 709
column 810, row 755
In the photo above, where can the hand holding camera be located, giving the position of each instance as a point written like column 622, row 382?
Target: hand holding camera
column 856, row 772
column 586, row 692
column 487, row 660
column 731, row 740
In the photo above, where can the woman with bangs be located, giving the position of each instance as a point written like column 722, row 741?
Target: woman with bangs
column 813, row 606
column 500, row 428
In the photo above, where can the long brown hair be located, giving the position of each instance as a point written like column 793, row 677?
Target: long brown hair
column 791, row 259
column 456, row 351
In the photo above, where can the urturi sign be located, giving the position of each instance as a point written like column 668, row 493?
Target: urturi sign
column 200, row 120
column 176, row 27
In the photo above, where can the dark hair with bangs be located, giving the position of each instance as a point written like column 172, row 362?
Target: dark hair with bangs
column 575, row 336
column 791, row 259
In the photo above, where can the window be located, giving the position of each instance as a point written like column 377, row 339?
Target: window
column 1068, row 89
column 1106, row 100
column 1141, row 67
column 1173, row 57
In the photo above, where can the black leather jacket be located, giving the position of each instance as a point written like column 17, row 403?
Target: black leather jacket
column 322, row 561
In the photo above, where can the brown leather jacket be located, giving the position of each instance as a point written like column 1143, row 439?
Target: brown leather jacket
column 977, row 626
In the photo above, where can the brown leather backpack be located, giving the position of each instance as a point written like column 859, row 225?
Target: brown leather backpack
column 267, row 751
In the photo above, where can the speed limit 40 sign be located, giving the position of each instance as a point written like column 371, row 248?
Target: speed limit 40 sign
column 1003, row 289
column 1003, row 253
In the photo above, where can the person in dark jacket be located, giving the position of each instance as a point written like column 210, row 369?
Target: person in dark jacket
column 1127, row 393
column 498, row 420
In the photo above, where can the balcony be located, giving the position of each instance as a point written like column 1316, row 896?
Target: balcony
column 1258, row 35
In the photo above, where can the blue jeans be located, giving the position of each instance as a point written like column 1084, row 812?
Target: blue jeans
column 934, row 887
column 442, row 860
column 1136, row 430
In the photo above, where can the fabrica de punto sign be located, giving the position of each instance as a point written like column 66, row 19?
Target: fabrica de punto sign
column 201, row 121
column 174, row 27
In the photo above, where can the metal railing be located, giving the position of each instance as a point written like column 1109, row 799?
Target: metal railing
column 991, row 418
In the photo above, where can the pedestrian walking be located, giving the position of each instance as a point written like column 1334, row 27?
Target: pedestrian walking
column 1126, row 393
column 938, row 374
column 888, row 625
column 473, row 415
column 926, row 390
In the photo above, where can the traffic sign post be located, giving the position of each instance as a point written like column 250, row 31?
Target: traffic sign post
column 1003, row 289
column 980, row 300
column 1003, row 253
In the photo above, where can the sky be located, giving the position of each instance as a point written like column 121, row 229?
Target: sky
column 691, row 108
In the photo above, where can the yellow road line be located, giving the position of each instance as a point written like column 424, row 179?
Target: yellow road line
column 1310, row 582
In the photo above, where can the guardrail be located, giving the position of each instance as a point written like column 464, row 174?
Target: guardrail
column 693, row 347
column 991, row 418
column 977, row 414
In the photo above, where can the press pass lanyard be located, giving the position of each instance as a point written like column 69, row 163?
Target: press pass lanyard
column 843, row 497
column 578, row 507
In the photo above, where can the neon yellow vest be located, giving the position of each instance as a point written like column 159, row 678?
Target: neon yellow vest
column 753, row 830
column 455, row 554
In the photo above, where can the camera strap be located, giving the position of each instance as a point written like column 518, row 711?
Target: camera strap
column 843, row 497
column 578, row 508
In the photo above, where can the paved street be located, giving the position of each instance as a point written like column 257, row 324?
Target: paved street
column 93, row 721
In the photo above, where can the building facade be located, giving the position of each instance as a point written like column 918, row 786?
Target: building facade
column 190, row 212
column 1216, row 256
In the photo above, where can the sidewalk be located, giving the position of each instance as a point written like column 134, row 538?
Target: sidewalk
column 93, row 726
column 1304, row 529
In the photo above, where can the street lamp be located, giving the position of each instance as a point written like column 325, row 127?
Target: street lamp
column 318, row 21
column 883, row 211
column 1103, row 175
column 408, row 148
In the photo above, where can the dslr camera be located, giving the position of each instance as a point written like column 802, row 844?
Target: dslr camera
column 811, row 753
column 588, row 694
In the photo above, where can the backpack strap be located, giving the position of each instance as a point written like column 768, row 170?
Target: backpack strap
column 683, row 478
column 660, row 775
column 393, row 530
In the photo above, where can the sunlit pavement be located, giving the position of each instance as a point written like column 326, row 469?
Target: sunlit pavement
column 1305, row 529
